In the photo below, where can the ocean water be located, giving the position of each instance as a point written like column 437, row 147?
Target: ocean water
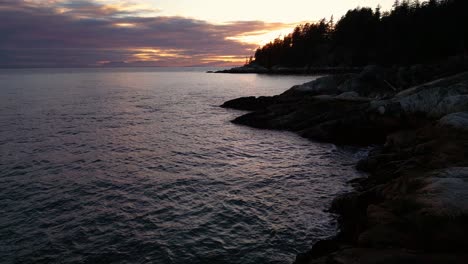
column 142, row 166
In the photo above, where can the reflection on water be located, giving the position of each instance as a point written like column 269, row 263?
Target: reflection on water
column 141, row 166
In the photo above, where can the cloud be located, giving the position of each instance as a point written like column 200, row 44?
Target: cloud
column 59, row 33
column 86, row 8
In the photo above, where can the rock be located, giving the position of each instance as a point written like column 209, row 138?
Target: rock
column 420, row 179
column 432, row 100
column 455, row 120
column 349, row 95
column 249, row 103
column 445, row 192
column 446, row 82
column 377, row 215
column 393, row 256
column 350, row 85
column 369, row 83
column 324, row 85
column 415, row 198
column 450, row 104
column 343, row 119
column 381, row 109
column 320, row 249
column 413, row 206
column 384, row 236
column 372, row 72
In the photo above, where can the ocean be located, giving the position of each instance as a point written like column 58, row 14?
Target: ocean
column 142, row 166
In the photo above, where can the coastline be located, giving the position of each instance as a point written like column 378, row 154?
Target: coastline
column 413, row 206
column 246, row 69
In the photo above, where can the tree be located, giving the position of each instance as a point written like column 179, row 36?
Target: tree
column 409, row 33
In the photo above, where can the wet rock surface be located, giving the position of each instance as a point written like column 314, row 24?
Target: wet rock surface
column 412, row 208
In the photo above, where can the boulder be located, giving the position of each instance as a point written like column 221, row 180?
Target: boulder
column 455, row 120
column 369, row 83
column 445, row 192
column 450, row 104
column 324, row 85
column 351, row 96
column 431, row 100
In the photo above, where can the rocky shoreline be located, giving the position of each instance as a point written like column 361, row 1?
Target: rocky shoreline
column 413, row 206
column 252, row 68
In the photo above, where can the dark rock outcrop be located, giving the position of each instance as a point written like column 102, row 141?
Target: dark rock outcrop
column 250, row 103
column 413, row 206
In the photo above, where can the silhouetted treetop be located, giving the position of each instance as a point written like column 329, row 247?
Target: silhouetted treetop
column 412, row 32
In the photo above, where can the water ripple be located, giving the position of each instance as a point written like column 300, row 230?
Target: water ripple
column 140, row 167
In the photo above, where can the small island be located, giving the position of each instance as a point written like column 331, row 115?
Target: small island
column 409, row 104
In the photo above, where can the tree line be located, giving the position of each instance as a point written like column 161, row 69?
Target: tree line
column 411, row 32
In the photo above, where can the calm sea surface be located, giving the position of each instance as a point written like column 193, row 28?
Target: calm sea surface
column 141, row 166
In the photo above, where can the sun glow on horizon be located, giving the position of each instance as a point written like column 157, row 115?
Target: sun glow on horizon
column 234, row 59
column 261, row 38
column 125, row 25
column 153, row 54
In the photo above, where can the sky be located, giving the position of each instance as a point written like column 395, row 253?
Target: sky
column 106, row 33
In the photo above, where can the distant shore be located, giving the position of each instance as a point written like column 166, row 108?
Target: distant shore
column 413, row 206
column 290, row 70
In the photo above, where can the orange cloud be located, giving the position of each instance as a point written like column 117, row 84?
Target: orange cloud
column 154, row 54
column 88, row 33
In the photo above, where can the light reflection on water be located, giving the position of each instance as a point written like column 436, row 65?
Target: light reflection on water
column 141, row 166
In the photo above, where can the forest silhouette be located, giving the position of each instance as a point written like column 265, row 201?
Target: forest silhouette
column 410, row 33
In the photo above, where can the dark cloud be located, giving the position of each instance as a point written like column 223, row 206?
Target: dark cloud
column 85, row 33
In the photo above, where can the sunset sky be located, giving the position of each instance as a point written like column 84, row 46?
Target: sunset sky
column 86, row 33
